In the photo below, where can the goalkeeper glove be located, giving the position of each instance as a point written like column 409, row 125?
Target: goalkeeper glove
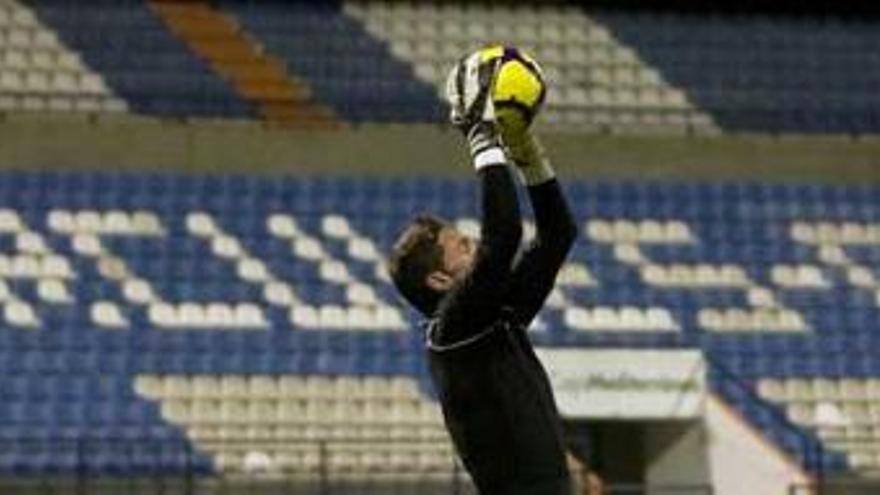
column 527, row 153
column 469, row 93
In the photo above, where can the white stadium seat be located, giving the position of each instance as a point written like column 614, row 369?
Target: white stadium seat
column 201, row 224
column 107, row 315
column 53, row 291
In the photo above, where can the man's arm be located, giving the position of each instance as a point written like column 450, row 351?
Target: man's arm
column 535, row 273
column 475, row 302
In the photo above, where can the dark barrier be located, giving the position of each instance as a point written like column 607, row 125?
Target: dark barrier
column 837, row 487
column 134, row 466
column 149, row 466
column 635, row 489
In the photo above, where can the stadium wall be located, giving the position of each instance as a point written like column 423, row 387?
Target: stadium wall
column 676, row 454
column 742, row 460
column 133, row 143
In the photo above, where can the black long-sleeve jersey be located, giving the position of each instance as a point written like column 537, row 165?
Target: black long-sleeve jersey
column 495, row 395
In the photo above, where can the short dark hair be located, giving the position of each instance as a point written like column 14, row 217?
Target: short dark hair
column 416, row 254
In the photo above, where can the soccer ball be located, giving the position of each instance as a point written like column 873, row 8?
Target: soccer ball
column 519, row 88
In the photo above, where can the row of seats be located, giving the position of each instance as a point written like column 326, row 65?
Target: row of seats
column 412, row 462
column 736, row 199
column 849, row 233
column 34, row 37
column 820, row 389
column 36, row 59
column 51, row 82
column 55, row 103
column 342, row 413
column 605, row 319
column 275, row 387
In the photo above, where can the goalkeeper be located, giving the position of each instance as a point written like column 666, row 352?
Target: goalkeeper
column 495, row 395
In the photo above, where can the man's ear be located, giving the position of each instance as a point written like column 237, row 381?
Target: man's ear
column 439, row 281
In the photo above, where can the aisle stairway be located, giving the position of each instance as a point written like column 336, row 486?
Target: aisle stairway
column 257, row 77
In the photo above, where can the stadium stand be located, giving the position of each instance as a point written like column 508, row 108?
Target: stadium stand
column 196, row 308
column 348, row 69
column 259, row 78
column 374, row 61
column 764, row 73
column 138, row 58
column 215, row 325
column 40, row 73
column 598, row 82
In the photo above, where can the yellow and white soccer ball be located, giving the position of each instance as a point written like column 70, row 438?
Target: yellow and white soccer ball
column 519, row 90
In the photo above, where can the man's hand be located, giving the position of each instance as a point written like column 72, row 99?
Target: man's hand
column 527, row 153
column 469, row 93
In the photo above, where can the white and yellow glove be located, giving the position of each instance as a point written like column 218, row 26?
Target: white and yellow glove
column 469, row 93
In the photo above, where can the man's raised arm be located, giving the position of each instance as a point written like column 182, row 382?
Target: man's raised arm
column 556, row 230
column 476, row 300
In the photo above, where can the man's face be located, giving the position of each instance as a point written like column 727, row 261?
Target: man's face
column 458, row 253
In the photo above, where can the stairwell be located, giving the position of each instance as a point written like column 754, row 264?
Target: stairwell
column 283, row 99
